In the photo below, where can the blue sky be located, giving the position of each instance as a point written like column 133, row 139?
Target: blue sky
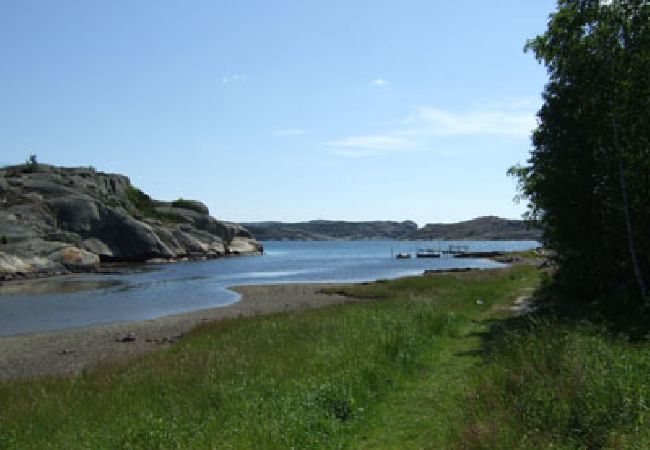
column 280, row 110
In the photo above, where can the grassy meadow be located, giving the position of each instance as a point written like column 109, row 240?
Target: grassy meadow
column 426, row 362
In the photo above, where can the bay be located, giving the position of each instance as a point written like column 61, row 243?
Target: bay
column 151, row 291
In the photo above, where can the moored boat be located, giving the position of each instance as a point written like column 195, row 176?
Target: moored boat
column 428, row 253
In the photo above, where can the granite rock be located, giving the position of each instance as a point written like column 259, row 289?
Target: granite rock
column 55, row 219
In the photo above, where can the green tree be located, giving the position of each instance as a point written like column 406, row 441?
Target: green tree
column 588, row 176
column 31, row 163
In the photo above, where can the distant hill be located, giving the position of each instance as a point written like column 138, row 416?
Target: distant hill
column 481, row 228
column 326, row 230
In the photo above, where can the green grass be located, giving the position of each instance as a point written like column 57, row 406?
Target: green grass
column 554, row 384
column 524, row 253
column 424, row 365
column 321, row 379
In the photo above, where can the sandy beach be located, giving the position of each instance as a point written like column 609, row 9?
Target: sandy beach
column 61, row 353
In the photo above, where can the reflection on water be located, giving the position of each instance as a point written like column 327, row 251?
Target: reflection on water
column 154, row 291
column 270, row 274
column 148, row 285
column 55, row 286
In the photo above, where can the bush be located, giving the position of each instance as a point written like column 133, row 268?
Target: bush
column 139, row 199
column 189, row 204
column 146, row 206
column 31, row 164
column 4, row 240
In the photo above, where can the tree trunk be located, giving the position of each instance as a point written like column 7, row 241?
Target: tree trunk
column 630, row 234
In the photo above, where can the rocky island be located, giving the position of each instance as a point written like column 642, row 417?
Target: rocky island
column 488, row 228
column 57, row 220
column 328, row 230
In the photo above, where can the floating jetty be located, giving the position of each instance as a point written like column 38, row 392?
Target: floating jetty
column 453, row 251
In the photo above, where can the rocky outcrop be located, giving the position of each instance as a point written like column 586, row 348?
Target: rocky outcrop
column 56, row 219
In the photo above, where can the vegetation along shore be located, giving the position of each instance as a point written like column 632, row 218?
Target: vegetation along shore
column 434, row 361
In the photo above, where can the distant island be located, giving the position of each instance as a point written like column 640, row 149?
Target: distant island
column 59, row 219
column 481, row 228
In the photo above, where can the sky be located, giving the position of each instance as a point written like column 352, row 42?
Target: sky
column 281, row 109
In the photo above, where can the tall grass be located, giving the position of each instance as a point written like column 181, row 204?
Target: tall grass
column 552, row 384
column 298, row 380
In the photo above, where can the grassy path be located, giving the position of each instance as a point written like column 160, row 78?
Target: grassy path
column 428, row 409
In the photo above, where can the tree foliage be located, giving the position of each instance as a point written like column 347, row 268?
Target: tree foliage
column 588, row 176
column 31, row 164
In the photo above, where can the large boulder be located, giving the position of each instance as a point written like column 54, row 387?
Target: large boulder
column 4, row 186
column 122, row 236
column 166, row 235
column 190, row 243
column 11, row 263
column 241, row 245
column 97, row 247
column 78, row 213
column 75, row 258
column 54, row 218
column 129, row 239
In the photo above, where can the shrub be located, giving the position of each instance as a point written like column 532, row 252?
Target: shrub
column 4, row 240
column 139, row 199
column 189, row 204
column 146, row 206
column 32, row 163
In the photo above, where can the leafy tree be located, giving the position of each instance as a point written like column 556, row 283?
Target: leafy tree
column 588, row 176
column 32, row 163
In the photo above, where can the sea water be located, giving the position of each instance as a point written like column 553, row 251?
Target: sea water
column 146, row 292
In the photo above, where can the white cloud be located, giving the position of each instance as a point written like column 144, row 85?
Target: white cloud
column 381, row 142
column 362, row 146
column 358, row 152
column 233, row 78
column 502, row 121
column 420, row 129
column 290, row 132
column 379, row 82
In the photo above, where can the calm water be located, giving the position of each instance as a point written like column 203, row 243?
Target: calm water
column 82, row 300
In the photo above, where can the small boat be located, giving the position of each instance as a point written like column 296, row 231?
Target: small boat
column 403, row 255
column 428, row 253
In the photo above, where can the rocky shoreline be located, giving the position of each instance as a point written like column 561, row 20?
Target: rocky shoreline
column 59, row 220
column 105, row 268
